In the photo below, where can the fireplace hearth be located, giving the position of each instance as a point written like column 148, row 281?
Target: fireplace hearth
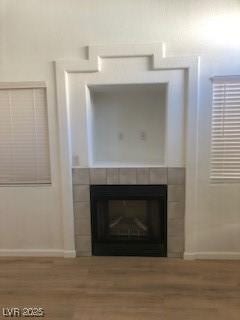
column 129, row 220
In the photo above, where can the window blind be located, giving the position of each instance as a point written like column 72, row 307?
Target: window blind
column 225, row 137
column 24, row 140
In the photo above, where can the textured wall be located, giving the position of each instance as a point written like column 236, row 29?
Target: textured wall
column 34, row 33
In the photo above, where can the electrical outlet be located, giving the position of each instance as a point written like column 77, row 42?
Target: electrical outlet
column 120, row 136
column 143, row 135
column 75, row 160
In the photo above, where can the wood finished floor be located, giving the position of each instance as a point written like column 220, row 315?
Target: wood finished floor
column 117, row 288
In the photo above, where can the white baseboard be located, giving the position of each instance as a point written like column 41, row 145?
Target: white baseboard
column 37, row 253
column 69, row 254
column 212, row 255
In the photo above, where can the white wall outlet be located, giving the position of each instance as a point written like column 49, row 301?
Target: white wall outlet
column 75, row 160
column 143, row 135
column 120, row 136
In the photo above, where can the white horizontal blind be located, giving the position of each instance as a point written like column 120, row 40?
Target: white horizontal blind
column 24, row 145
column 225, row 140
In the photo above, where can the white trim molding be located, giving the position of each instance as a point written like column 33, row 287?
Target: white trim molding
column 37, row 253
column 212, row 255
column 159, row 61
column 23, row 85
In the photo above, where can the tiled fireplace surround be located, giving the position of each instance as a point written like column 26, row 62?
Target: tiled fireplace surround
column 173, row 177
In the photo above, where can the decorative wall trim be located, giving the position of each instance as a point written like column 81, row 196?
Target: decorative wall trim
column 37, row 253
column 93, row 64
column 212, row 255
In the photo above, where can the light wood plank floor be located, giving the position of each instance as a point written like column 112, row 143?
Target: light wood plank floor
column 117, row 288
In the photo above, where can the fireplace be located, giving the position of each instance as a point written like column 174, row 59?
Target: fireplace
column 129, row 220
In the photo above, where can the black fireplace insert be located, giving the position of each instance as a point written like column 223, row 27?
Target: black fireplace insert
column 129, row 220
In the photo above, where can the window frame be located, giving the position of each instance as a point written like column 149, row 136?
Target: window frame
column 225, row 80
column 31, row 85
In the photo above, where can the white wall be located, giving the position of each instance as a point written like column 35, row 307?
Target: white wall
column 34, row 33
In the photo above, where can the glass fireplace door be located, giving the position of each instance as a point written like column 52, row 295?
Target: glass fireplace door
column 129, row 220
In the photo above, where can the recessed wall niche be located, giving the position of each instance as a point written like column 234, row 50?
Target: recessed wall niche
column 127, row 125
